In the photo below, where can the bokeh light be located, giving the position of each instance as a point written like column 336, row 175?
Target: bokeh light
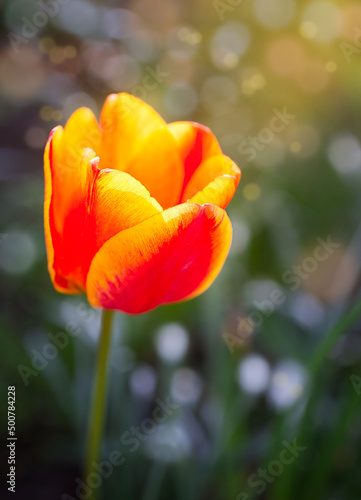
column 275, row 14
column 228, row 45
column 172, row 342
column 321, row 21
column 288, row 383
column 254, row 374
column 18, row 252
column 344, row 153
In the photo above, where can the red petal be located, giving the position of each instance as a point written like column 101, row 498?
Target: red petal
column 196, row 144
column 170, row 257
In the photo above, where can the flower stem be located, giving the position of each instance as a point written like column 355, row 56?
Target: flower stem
column 97, row 411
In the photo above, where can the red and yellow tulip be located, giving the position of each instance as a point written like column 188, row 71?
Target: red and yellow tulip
column 134, row 207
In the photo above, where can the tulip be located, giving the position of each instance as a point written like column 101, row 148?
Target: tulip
column 134, row 207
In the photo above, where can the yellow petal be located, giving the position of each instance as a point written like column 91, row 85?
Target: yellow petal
column 159, row 168
column 126, row 122
column 214, row 181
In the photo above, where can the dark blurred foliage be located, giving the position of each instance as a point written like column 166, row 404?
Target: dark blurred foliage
column 240, row 360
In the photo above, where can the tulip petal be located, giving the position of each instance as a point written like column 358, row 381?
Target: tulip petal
column 118, row 202
column 126, row 122
column 159, row 168
column 214, row 181
column 107, row 202
column 60, row 285
column 64, row 226
column 81, row 131
column 173, row 256
column 196, row 144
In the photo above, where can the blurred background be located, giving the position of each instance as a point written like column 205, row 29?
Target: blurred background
column 253, row 364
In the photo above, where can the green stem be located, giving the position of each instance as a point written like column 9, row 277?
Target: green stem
column 98, row 405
